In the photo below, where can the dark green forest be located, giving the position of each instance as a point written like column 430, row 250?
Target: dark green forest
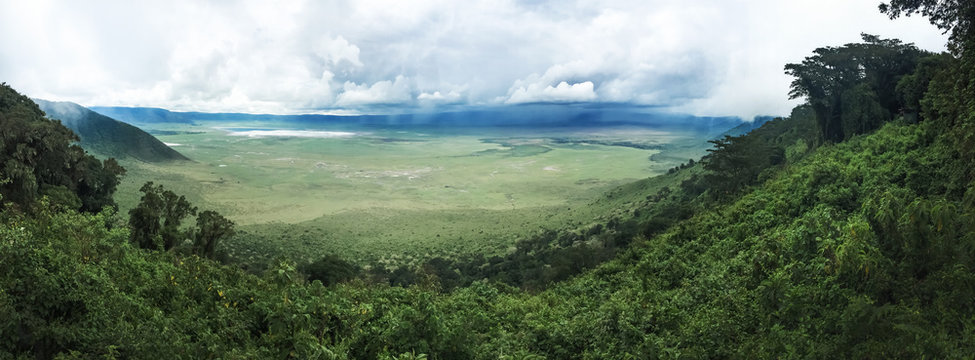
column 845, row 230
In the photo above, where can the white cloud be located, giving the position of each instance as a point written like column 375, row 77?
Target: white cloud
column 563, row 92
column 380, row 93
column 708, row 57
column 337, row 50
column 438, row 98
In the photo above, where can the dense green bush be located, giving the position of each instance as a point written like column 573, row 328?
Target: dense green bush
column 38, row 158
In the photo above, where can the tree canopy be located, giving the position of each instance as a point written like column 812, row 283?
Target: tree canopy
column 38, row 158
column 954, row 16
column 852, row 88
column 156, row 220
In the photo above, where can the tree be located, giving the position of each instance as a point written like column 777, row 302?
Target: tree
column 912, row 88
column 857, row 76
column 39, row 158
column 954, row 16
column 330, row 270
column 212, row 227
column 155, row 221
column 949, row 100
column 97, row 182
column 736, row 162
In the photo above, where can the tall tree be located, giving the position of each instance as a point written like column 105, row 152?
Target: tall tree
column 856, row 76
column 211, row 228
column 155, row 221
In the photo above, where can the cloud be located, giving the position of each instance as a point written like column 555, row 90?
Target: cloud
column 438, row 98
column 380, row 93
column 563, row 92
column 336, row 50
column 707, row 57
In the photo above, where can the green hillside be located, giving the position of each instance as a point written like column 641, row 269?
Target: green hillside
column 846, row 230
column 106, row 136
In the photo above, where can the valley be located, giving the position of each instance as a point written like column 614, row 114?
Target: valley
column 399, row 195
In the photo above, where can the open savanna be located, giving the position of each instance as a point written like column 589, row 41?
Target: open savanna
column 396, row 196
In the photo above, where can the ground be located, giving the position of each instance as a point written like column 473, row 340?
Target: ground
column 389, row 194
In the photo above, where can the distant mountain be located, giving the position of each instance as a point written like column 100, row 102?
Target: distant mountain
column 106, row 136
column 521, row 116
column 747, row 126
column 142, row 115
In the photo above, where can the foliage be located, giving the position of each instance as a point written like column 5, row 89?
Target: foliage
column 954, row 16
column 330, row 270
column 852, row 88
column 735, row 162
column 212, row 227
column 853, row 251
column 37, row 158
column 912, row 87
column 948, row 102
column 156, row 221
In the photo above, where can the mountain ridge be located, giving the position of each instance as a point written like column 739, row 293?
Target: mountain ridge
column 522, row 116
column 107, row 136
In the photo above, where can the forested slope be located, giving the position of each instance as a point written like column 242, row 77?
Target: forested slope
column 109, row 137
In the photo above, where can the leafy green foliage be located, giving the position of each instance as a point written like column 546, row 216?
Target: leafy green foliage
column 38, row 159
column 852, row 88
column 735, row 162
column 212, row 227
column 853, row 251
column 912, row 87
column 156, row 221
column 955, row 16
column 330, row 270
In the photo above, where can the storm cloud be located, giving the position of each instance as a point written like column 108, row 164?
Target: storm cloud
column 708, row 57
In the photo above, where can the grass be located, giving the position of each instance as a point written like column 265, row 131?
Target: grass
column 396, row 196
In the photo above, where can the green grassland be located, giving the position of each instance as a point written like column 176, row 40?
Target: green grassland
column 396, row 197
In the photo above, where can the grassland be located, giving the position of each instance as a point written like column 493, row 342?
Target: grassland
column 399, row 196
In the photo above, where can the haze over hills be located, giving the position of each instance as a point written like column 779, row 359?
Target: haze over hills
column 106, row 136
column 521, row 116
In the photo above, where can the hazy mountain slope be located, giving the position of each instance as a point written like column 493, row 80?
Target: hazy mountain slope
column 107, row 136
column 520, row 117
column 142, row 115
column 747, row 126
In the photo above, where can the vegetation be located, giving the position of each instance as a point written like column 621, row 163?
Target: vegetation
column 435, row 195
column 827, row 244
column 108, row 137
column 852, row 88
column 39, row 159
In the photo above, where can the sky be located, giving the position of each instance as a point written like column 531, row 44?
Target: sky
column 701, row 57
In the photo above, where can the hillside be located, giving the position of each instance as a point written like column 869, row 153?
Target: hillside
column 108, row 137
column 140, row 115
column 748, row 126
column 832, row 256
